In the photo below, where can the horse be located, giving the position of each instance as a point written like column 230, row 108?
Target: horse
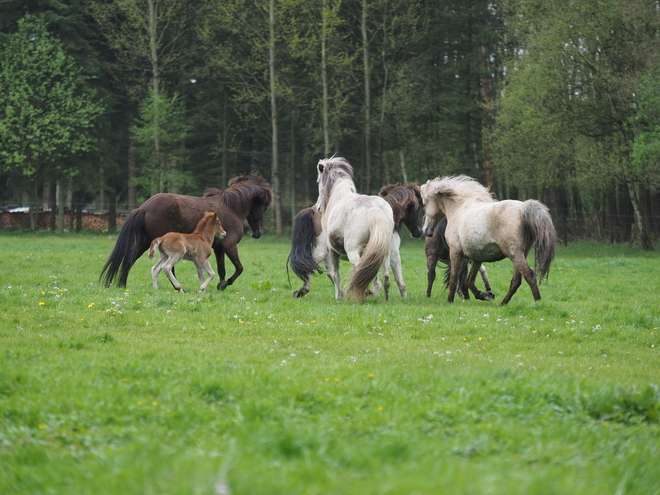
column 436, row 249
column 246, row 198
column 196, row 247
column 351, row 224
column 406, row 203
column 483, row 229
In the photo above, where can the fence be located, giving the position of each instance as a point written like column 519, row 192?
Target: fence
column 89, row 221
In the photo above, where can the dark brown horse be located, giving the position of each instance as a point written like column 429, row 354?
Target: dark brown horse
column 246, row 198
column 306, row 252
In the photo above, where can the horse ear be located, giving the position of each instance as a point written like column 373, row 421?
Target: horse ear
column 320, row 167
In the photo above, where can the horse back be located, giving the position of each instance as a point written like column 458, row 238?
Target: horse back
column 166, row 212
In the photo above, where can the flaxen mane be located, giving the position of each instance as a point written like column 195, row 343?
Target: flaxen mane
column 458, row 186
column 330, row 171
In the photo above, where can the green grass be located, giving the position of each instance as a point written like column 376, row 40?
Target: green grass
column 250, row 391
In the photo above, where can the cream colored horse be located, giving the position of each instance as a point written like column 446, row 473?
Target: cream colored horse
column 484, row 229
column 353, row 225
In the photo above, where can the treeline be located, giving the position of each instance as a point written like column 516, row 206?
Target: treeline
column 106, row 102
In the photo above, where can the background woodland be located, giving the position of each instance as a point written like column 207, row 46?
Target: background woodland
column 104, row 103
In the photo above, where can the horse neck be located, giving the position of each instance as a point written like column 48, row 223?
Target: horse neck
column 237, row 200
column 206, row 228
column 341, row 190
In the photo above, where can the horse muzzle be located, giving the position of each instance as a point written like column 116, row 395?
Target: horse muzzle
column 257, row 233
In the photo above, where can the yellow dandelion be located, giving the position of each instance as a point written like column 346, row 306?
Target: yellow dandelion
column 371, row 375
column 41, row 426
column 154, row 403
column 380, row 408
column 41, row 303
column 336, row 379
column 91, row 305
column 327, row 379
column 480, row 338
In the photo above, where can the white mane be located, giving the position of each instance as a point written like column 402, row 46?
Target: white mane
column 457, row 186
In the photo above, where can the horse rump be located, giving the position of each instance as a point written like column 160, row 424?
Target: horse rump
column 375, row 252
column 540, row 232
column 126, row 251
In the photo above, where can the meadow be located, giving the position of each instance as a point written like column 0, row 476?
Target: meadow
column 248, row 391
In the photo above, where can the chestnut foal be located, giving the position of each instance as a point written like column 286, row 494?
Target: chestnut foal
column 196, row 247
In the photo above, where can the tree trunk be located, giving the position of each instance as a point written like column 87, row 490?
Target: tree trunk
column 640, row 222
column 225, row 140
column 155, row 81
column 324, row 80
column 367, row 97
column 60, row 207
column 112, row 210
column 132, row 174
column 53, row 206
column 101, row 207
column 69, row 203
column 275, row 180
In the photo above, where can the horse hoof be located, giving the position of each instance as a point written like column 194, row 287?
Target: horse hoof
column 489, row 296
column 299, row 293
column 223, row 285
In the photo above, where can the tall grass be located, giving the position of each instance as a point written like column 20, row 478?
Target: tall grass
column 250, row 391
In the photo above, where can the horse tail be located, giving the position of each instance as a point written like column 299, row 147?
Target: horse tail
column 126, row 251
column 375, row 252
column 539, row 231
column 462, row 274
column 154, row 245
column 302, row 245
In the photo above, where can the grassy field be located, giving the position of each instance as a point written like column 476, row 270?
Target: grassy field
column 249, row 391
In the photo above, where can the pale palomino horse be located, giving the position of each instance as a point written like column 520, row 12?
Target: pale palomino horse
column 307, row 252
column 484, row 229
column 353, row 224
column 196, row 247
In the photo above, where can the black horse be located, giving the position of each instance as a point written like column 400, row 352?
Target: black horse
column 246, row 199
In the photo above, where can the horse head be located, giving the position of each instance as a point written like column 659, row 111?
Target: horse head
column 433, row 212
column 329, row 171
column 406, row 203
column 252, row 194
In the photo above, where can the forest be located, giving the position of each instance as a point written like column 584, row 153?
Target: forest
column 104, row 103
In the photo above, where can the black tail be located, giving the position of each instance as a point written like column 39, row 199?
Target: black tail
column 462, row 275
column 302, row 245
column 127, row 250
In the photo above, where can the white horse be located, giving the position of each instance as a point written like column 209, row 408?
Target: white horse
column 484, row 229
column 353, row 224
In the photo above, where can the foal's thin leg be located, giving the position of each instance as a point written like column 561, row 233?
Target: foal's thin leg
column 206, row 266
column 155, row 270
column 167, row 268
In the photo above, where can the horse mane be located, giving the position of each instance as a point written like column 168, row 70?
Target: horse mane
column 241, row 190
column 457, row 186
column 330, row 171
column 399, row 197
column 209, row 216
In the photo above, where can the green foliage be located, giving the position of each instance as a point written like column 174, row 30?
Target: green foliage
column 46, row 110
column 249, row 390
column 163, row 118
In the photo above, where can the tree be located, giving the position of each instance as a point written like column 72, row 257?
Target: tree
column 47, row 112
column 575, row 72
